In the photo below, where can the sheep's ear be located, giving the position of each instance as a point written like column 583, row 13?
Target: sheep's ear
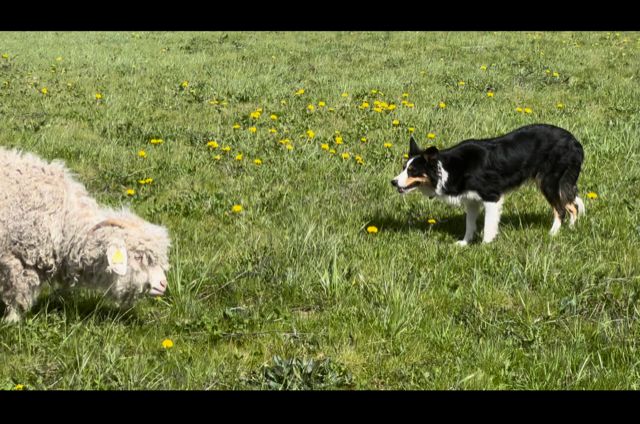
column 117, row 258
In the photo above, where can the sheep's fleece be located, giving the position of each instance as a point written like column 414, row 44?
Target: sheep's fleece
column 51, row 229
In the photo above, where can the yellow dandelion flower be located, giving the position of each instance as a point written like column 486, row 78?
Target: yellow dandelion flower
column 311, row 108
column 338, row 140
column 363, row 139
column 431, row 221
column 405, row 95
column 406, row 156
column 98, row 96
column 410, row 105
column 392, row 107
column 289, row 147
column 442, row 105
column 253, row 130
column 257, row 161
column 236, row 126
column 374, row 91
column 321, row 104
column 345, row 155
column 142, row 153
column 299, row 92
column 155, row 141
column 332, row 151
column 185, row 84
column 44, row 90
column 388, row 145
column 273, row 130
column 483, row 67
column 131, row 192
column 167, row 343
column 236, row 208
column 560, row 105
column 556, row 75
column 489, row 93
column 404, row 102
column 592, row 195
column 284, row 141
column 311, row 134
column 5, row 55
column 213, row 144
column 255, row 115
column 364, row 105
column 411, row 129
column 519, row 109
column 461, row 83
column 274, row 117
column 395, row 122
column 372, row 229
column 239, row 156
column 217, row 157
column 331, row 109
column 377, row 109
column 226, row 149
column 19, row 387
column 324, row 146
column 528, row 110
column 547, row 71
column 431, row 135
column 345, row 94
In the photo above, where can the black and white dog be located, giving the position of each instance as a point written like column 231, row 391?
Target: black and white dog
column 477, row 173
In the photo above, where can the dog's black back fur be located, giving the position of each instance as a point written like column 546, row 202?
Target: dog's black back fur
column 491, row 167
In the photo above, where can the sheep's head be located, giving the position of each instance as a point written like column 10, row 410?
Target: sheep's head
column 134, row 257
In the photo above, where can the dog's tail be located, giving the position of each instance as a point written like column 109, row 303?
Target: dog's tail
column 568, row 184
column 580, row 205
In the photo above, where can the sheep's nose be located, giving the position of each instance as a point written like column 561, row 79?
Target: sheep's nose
column 394, row 183
column 158, row 289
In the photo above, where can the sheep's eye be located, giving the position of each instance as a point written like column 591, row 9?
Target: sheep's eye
column 138, row 257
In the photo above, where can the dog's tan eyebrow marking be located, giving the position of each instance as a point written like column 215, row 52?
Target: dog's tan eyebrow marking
column 419, row 180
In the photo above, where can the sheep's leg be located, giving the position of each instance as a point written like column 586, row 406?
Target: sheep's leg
column 19, row 287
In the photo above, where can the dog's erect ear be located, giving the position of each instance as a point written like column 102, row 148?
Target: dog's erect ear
column 431, row 154
column 414, row 150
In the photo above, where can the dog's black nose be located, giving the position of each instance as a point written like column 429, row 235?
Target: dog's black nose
column 394, row 183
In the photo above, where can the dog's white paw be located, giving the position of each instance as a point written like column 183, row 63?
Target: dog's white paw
column 462, row 243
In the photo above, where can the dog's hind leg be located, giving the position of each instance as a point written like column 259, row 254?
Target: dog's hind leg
column 550, row 187
column 473, row 210
column 492, row 211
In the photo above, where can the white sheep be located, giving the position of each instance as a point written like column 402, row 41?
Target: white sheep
column 51, row 229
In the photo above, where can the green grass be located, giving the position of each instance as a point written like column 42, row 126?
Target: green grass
column 292, row 292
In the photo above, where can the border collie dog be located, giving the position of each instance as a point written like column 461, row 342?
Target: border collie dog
column 478, row 173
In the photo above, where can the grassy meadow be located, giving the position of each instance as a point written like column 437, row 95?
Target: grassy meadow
column 268, row 155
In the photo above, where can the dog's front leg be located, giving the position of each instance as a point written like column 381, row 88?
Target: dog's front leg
column 473, row 210
column 492, row 211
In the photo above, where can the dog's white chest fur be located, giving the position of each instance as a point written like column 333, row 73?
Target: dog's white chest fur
column 458, row 200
